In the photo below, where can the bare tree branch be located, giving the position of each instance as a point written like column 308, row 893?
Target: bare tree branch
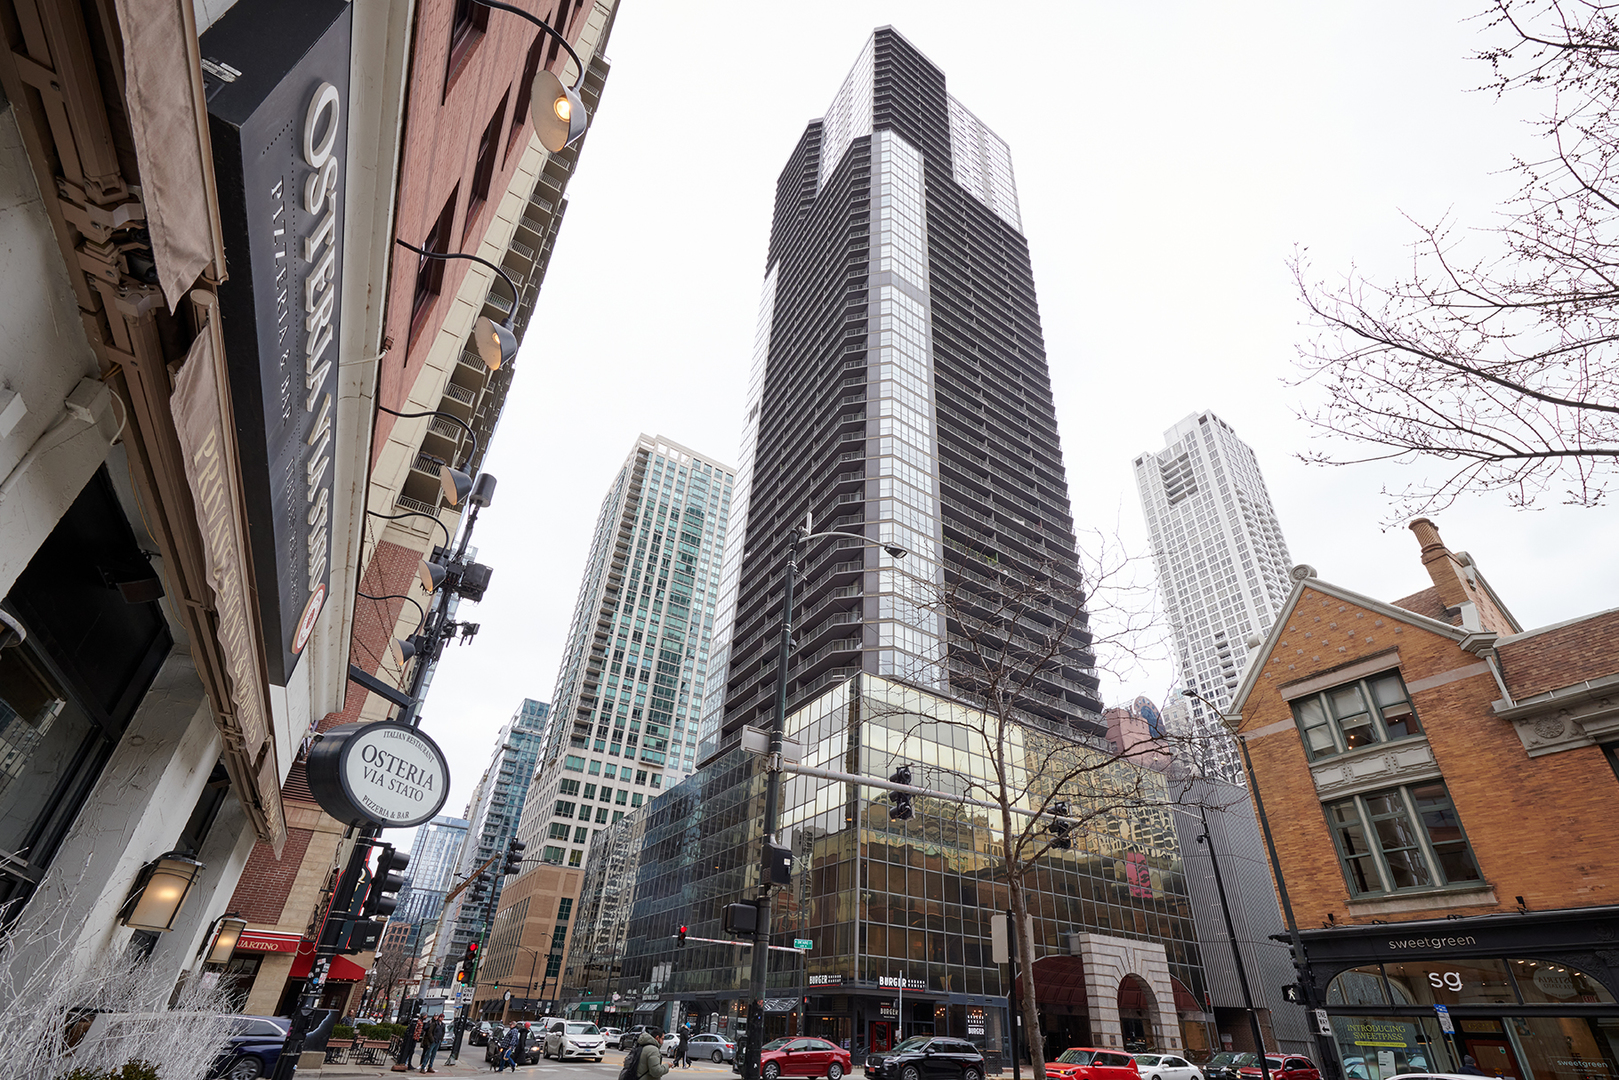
column 1500, row 370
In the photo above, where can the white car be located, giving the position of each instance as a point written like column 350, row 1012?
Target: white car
column 710, row 1046
column 573, row 1038
column 671, row 1042
column 1166, row 1067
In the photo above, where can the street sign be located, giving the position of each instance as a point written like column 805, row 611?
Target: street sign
column 1323, row 1026
column 803, row 943
column 1445, row 1024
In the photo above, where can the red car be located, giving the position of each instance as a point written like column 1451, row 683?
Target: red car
column 1090, row 1063
column 803, row 1057
column 1282, row 1068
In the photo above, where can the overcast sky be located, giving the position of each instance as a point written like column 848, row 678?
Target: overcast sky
column 1169, row 158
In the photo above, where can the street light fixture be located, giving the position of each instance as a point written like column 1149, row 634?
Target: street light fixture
column 496, row 342
column 160, row 891
column 557, row 110
column 778, row 729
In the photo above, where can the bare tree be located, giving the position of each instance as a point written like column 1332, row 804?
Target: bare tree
column 1496, row 369
column 391, row 968
column 1022, row 657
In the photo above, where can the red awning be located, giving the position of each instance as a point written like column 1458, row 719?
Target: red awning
column 342, row 970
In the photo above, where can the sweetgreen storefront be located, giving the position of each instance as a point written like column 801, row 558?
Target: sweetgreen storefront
column 1529, row 996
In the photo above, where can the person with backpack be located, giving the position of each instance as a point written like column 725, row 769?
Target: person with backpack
column 641, row 1065
column 680, row 1047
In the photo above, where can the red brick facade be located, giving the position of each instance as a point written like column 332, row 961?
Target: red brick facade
column 1540, row 828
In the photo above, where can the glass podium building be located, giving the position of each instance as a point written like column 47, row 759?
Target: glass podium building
column 889, row 903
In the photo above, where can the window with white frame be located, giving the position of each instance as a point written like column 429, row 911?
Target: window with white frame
column 1401, row 838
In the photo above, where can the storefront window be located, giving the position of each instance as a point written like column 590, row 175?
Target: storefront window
column 1379, row 1047
column 1543, row 983
column 1470, row 982
column 1362, row 986
column 1566, row 1048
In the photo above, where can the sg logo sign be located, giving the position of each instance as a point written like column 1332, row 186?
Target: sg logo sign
column 1445, row 980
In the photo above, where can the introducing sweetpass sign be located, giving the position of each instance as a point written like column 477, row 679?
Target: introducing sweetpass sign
column 277, row 77
column 383, row 774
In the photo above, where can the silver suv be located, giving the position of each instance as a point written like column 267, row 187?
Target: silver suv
column 573, row 1038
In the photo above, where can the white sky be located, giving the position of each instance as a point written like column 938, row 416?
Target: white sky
column 1168, row 159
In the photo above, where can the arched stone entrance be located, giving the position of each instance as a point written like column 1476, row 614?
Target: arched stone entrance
column 1138, row 1014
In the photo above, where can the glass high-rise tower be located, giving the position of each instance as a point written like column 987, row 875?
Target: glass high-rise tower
column 899, row 390
column 1222, row 568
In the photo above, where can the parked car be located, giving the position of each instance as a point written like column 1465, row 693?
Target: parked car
column 1166, row 1067
column 671, row 1043
column 573, row 1038
column 713, row 1047
column 1092, row 1063
column 255, row 1045
column 1282, row 1067
column 926, row 1057
column 631, row 1036
column 612, row 1035
column 1227, row 1064
column 478, row 1034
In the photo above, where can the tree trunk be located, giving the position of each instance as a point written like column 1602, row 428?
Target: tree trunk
column 1032, row 1040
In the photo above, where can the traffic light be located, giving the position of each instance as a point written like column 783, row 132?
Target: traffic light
column 386, row 881
column 514, row 857
column 471, row 956
column 901, row 808
column 460, row 974
column 680, row 938
column 480, row 889
column 778, row 864
column 1060, row 826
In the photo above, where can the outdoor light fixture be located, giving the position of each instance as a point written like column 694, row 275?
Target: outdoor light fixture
column 404, row 650
column 483, row 492
column 456, row 484
column 160, row 891
column 12, row 631
column 895, row 552
column 557, row 110
column 230, row 931
column 431, row 575
column 496, row 342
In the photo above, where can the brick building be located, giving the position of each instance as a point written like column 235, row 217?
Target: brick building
column 1430, row 763
column 472, row 179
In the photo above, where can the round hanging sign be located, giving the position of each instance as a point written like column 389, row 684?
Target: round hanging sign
column 378, row 774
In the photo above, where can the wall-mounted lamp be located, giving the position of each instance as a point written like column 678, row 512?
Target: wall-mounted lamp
column 496, row 342
column 558, row 111
column 230, row 931
column 160, row 892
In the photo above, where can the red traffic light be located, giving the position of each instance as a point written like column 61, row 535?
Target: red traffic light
column 472, row 947
column 682, row 938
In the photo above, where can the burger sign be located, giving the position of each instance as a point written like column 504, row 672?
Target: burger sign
column 384, row 774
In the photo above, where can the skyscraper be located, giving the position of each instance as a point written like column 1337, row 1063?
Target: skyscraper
column 492, row 815
column 899, row 390
column 628, row 690
column 432, row 865
column 1222, row 567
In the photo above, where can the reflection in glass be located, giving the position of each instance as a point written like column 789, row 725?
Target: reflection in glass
column 1544, row 983
column 1468, row 982
column 1360, row 986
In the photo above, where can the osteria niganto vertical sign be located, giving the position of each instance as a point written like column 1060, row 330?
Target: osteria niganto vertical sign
column 277, row 78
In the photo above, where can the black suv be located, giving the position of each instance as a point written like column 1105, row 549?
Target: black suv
column 928, row 1057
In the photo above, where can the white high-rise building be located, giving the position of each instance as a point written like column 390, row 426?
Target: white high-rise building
column 1222, row 566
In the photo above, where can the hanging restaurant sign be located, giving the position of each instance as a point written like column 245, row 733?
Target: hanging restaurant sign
column 384, row 774
column 277, row 76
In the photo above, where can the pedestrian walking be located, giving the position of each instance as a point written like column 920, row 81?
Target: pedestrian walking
column 432, row 1036
column 509, row 1045
column 680, row 1047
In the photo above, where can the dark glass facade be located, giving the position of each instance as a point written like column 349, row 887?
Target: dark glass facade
column 887, row 900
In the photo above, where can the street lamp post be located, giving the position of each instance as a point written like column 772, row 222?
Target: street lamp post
column 778, row 729
column 1327, row 1050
